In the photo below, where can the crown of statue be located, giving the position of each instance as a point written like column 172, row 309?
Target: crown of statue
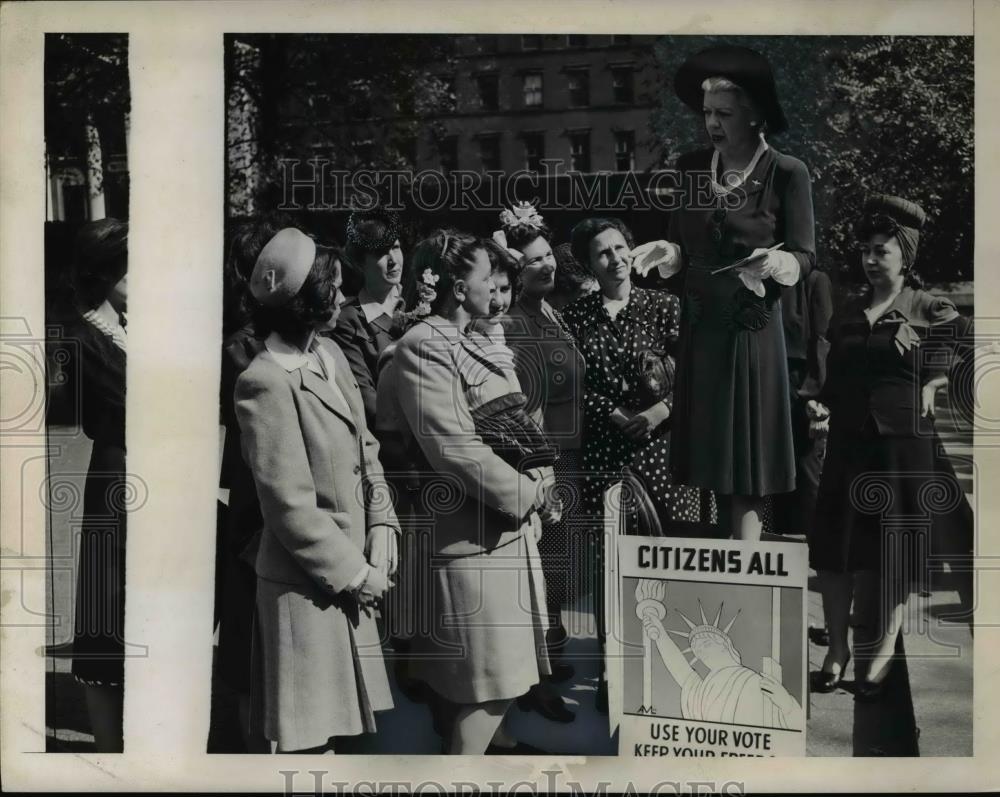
column 705, row 627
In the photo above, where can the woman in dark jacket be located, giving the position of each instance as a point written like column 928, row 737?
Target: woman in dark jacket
column 740, row 197
column 888, row 500
column 366, row 325
column 98, row 334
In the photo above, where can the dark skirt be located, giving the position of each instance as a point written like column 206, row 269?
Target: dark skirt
column 732, row 430
column 891, row 504
column 99, row 634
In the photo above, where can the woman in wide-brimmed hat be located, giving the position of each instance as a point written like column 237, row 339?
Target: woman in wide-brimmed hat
column 889, row 357
column 740, row 197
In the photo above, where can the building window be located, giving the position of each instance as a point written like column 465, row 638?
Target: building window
column 532, row 42
column 489, row 92
column 579, row 151
column 534, row 151
column 623, row 84
column 533, row 90
column 579, row 88
column 621, row 38
column 448, row 152
column 576, row 40
column 625, row 151
column 489, row 152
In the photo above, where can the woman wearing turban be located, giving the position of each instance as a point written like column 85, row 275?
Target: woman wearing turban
column 885, row 485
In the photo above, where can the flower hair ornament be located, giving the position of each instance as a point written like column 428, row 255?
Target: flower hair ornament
column 523, row 214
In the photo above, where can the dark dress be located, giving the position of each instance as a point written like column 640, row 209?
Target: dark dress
column 733, row 430
column 98, row 641
column 362, row 341
column 888, row 496
column 551, row 369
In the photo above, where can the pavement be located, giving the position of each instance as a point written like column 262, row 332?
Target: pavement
column 927, row 710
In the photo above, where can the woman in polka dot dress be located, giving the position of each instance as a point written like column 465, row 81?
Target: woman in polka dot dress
column 627, row 335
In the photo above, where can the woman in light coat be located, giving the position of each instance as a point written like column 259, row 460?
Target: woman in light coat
column 328, row 545
column 485, row 590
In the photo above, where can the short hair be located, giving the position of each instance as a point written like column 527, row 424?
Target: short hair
column 310, row 307
column 720, row 83
column 100, row 260
column 449, row 255
column 588, row 229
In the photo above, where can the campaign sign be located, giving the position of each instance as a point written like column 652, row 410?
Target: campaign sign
column 710, row 647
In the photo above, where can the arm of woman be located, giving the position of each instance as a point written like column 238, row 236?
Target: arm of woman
column 799, row 223
column 276, row 454
column 434, row 405
column 952, row 332
column 351, row 338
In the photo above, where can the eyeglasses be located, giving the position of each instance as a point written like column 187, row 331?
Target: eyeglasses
column 719, row 216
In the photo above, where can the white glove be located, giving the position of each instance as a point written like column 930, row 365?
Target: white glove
column 662, row 255
column 782, row 267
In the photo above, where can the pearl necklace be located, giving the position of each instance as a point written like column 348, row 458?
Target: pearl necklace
column 721, row 190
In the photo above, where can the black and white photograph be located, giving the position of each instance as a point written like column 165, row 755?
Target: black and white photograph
column 412, row 395
column 86, row 492
column 474, row 281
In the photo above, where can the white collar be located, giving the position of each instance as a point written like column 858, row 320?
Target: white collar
column 105, row 320
column 373, row 309
column 722, row 190
column 292, row 357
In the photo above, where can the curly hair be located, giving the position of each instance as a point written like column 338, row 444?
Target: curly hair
column 588, row 229
column 310, row 307
column 523, row 235
column 449, row 255
column 504, row 262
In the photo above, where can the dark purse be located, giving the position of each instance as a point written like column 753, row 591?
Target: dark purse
column 656, row 370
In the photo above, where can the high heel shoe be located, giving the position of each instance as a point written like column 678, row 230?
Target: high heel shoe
column 552, row 708
column 825, row 682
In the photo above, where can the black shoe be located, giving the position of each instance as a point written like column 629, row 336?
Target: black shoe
column 825, row 682
column 601, row 700
column 819, row 636
column 552, row 709
column 561, row 672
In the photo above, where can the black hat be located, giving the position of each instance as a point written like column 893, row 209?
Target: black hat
column 746, row 68
column 904, row 212
column 363, row 235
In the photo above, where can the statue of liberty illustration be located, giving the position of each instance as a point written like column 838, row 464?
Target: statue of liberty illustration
column 730, row 692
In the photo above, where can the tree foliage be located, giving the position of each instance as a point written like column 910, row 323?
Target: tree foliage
column 360, row 101
column 867, row 114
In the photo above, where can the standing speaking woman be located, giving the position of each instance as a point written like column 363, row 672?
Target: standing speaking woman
column 486, row 593
column 885, row 482
column 733, row 431
column 328, row 544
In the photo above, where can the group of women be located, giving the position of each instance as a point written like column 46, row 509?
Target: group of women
column 439, row 445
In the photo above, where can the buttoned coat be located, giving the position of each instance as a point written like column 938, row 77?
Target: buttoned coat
column 321, row 488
